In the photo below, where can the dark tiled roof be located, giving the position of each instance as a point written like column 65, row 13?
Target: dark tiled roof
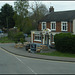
column 59, row 16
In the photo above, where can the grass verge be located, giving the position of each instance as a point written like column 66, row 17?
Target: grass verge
column 56, row 53
column 6, row 40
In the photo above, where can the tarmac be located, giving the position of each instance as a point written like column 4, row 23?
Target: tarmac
column 10, row 47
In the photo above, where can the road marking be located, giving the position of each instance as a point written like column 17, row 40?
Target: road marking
column 37, row 59
column 19, row 60
column 25, row 64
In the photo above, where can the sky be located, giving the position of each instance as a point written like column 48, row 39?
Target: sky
column 58, row 5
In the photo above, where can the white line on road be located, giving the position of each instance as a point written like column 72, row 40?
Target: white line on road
column 35, row 58
column 20, row 61
column 26, row 65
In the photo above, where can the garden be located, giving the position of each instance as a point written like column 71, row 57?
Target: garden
column 64, row 45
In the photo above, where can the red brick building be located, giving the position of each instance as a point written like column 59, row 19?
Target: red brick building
column 53, row 23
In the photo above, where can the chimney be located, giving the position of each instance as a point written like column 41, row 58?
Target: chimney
column 51, row 9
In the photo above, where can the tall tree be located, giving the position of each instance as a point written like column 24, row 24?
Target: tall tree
column 0, row 20
column 21, row 13
column 39, row 11
column 6, row 19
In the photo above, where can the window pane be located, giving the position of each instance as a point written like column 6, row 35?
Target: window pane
column 44, row 25
column 64, row 25
column 37, row 37
column 53, row 25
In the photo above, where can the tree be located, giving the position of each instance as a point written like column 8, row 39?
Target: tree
column 28, row 26
column 0, row 20
column 6, row 18
column 39, row 11
column 21, row 12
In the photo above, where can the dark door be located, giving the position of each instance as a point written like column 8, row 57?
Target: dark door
column 46, row 39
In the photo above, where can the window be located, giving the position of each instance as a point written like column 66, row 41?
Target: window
column 43, row 25
column 37, row 37
column 63, row 26
column 53, row 25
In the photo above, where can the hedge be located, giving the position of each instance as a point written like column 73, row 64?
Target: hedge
column 65, row 42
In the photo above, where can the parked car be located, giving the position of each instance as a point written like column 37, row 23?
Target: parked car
column 27, row 47
column 1, row 31
column 32, row 47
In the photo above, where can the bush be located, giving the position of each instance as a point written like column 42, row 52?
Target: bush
column 19, row 37
column 11, row 33
column 65, row 42
column 22, row 40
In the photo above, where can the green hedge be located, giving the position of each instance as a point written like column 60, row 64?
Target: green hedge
column 19, row 37
column 65, row 42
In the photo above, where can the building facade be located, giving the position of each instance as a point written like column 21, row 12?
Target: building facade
column 53, row 23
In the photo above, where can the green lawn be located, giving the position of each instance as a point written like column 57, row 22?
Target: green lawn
column 5, row 40
column 56, row 53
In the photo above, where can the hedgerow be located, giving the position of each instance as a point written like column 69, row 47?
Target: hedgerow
column 65, row 42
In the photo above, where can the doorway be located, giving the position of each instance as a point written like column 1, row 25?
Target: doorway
column 46, row 39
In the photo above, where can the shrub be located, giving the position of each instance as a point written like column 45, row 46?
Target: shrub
column 22, row 40
column 19, row 37
column 11, row 33
column 65, row 42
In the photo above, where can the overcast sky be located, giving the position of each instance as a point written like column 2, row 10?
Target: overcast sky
column 58, row 5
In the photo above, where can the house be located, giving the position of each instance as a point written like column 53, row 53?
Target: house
column 53, row 23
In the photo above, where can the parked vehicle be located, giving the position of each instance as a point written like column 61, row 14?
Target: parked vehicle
column 27, row 47
column 32, row 47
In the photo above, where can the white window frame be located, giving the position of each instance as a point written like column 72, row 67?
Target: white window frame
column 42, row 25
column 64, row 26
column 38, row 36
column 53, row 22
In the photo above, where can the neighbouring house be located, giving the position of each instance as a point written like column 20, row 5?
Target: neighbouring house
column 53, row 23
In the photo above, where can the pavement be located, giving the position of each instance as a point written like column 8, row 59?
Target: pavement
column 22, row 52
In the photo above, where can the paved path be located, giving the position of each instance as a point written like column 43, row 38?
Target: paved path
column 22, row 52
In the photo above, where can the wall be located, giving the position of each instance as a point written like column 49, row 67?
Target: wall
column 74, row 26
column 58, row 26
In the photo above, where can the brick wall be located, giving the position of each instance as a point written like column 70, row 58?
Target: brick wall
column 48, row 25
column 39, row 26
column 58, row 26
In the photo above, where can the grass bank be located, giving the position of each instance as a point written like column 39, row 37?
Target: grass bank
column 56, row 53
column 6, row 40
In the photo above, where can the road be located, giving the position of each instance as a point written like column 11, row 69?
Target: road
column 3, row 35
column 13, row 64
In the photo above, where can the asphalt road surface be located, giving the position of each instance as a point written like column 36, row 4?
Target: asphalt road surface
column 3, row 35
column 12, row 64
